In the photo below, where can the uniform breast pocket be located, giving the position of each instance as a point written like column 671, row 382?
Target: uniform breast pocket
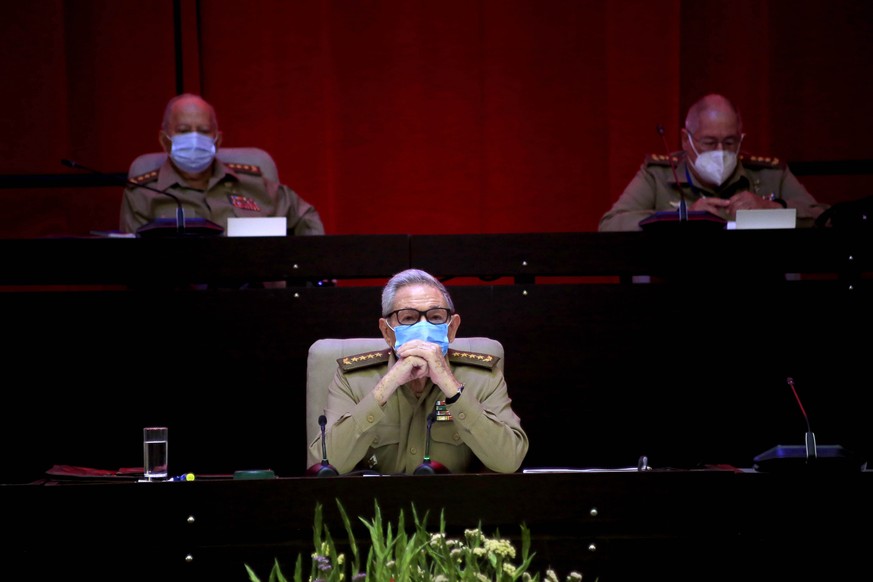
column 445, row 433
column 385, row 436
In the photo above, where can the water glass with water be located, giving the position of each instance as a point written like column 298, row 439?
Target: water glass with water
column 154, row 451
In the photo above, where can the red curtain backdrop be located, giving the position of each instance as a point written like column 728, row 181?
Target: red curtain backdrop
column 401, row 116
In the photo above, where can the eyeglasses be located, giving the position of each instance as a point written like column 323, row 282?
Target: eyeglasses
column 731, row 142
column 435, row 315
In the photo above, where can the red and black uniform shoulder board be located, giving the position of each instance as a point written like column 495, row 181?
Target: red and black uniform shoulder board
column 363, row 360
column 473, row 359
column 758, row 162
column 145, row 178
column 244, row 168
column 661, row 160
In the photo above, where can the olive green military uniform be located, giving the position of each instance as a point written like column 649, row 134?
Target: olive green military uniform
column 234, row 190
column 480, row 427
column 654, row 189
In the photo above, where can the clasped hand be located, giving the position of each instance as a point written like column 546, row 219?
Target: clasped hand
column 418, row 359
column 727, row 208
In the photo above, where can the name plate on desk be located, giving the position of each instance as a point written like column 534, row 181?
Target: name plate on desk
column 257, row 226
column 765, row 218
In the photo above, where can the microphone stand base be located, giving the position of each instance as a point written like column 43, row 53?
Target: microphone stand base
column 793, row 458
column 168, row 228
column 696, row 220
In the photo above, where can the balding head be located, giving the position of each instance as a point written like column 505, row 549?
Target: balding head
column 186, row 109
column 713, row 108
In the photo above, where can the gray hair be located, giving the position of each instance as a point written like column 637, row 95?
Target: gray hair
column 411, row 277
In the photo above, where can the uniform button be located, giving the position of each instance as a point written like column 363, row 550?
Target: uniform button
column 456, row 437
column 412, row 451
column 462, row 416
column 370, row 418
column 375, row 440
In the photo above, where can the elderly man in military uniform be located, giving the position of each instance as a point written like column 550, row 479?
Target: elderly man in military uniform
column 380, row 404
column 203, row 185
column 711, row 174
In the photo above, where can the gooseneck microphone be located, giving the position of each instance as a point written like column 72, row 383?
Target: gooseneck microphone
column 428, row 467
column 683, row 209
column 810, row 456
column 180, row 212
column 323, row 469
column 182, row 227
column 811, row 452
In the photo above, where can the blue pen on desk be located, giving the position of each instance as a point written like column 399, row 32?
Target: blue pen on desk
column 182, row 477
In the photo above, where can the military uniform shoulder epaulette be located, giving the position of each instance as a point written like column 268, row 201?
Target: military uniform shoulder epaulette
column 244, row 168
column 472, row 358
column 363, row 360
column 760, row 161
column 661, row 159
column 147, row 177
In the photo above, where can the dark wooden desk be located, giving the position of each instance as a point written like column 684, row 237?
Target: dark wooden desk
column 221, row 260
column 688, row 372
column 699, row 525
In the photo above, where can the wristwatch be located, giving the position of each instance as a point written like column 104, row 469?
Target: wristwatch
column 454, row 398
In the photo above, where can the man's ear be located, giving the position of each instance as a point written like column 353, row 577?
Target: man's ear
column 454, row 324
column 165, row 141
column 387, row 332
column 218, row 139
column 685, row 139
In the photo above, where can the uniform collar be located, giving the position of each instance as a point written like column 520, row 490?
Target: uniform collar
column 169, row 177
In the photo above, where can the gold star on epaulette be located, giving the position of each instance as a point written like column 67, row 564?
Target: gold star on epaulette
column 660, row 159
column 244, row 168
column 473, row 358
column 147, row 177
column 760, row 161
column 363, row 360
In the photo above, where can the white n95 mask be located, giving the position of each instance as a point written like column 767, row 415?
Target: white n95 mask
column 715, row 166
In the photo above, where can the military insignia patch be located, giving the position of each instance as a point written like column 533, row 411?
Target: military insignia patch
column 244, row 168
column 147, row 177
column 661, row 159
column 760, row 161
column 363, row 360
column 442, row 411
column 472, row 358
column 243, row 202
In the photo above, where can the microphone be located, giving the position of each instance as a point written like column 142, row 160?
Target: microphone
column 427, row 466
column 197, row 226
column 811, row 452
column 683, row 209
column 810, row 456
column 696, row 220
column 323, row 469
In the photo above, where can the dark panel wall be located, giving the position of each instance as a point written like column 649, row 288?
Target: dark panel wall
column 598, row 373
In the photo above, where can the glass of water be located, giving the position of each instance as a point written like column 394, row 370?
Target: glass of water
column 154, row 453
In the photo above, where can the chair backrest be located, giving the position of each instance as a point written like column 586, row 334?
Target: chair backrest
column 321, row 366
column 253, row 156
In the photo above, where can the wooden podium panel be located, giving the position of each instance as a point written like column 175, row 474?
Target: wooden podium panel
column 683, row 525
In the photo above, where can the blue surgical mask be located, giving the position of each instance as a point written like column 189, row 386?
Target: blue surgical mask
column 436, row 333
column 192, row 151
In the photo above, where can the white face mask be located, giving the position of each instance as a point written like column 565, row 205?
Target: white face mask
column 192, row 151
column 714, row 166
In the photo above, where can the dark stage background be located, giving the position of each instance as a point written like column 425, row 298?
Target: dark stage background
column 481, row 116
